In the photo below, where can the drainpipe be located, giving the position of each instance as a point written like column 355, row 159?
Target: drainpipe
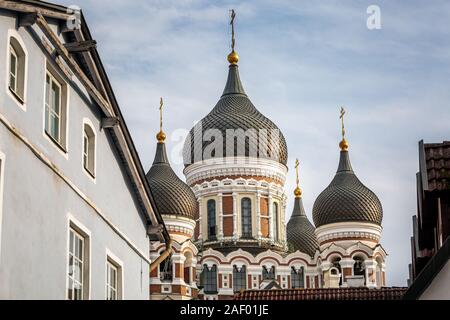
column 162, row 256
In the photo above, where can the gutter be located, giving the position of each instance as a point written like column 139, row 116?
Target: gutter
column 162, row 256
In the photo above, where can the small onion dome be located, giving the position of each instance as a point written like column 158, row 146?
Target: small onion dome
column 346, row 199
column 235, row 111
column 171, row 195
column 300, row 232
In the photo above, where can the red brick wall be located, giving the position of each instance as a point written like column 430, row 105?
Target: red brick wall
column 228, row 226
column 264, row 207
column 227, row 205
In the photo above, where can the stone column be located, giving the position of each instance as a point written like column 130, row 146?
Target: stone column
column 271, row 219
column 235, row 217
column 346, row 269
column 371, row 269
column 199, row 221
column 258, row 216
column 220, row 217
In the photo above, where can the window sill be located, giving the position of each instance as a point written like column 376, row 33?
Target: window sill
column 56, row 143
column 15, row 95
column 89, row 172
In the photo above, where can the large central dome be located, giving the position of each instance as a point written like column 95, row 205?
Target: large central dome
column 235, row 111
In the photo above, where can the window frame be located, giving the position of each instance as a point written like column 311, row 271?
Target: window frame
column 211, row 222
column 246, row 218
column 301, row 277
column 117, row 264
column 91, row 172
column 81, row 230
column 15, row 74
column 63, row 144
column 16, row 46
column 52, row 81
column 211, row 274
column 242, row 278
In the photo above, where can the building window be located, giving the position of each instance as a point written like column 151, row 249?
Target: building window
column 113, row 280
column 209, row 277
column 211, row 219
column 165, row 270
column 16, row 76
column 337, row 264
column 246, row 211
column 78, row 266
column 55, row 109
column 297, row 278
column 358, row 267
column 89, row 149
column 2, row 174
column 277, row 221
column 239, row 278
column 268, row 274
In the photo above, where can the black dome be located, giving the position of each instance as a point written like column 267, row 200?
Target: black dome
column 300, row 232
column 235, row 111
column 346, row 199
column 171, row 195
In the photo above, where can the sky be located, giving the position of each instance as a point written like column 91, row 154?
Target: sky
column 299, row 62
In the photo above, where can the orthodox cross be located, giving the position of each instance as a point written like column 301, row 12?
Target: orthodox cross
column 233, row 16
column 161, row 106
column 342, row 121
column 297, row 165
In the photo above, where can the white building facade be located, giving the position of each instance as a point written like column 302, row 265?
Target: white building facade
column 76, row 211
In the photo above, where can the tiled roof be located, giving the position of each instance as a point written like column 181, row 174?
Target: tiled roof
column 437, row 158
column 324, row 294
column 235, row 111
column 172, row 196
column 346, row 199
column 300, row 232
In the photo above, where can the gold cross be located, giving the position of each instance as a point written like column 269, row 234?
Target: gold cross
column 342, row 121
column 161, row 106
column 233, row 16
column 297, row 165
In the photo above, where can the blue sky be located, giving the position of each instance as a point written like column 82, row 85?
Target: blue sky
column 300, row 61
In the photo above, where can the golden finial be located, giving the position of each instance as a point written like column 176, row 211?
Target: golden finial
column 161, row 136
column 233, row 57
column 343, row 144
column 297, row 191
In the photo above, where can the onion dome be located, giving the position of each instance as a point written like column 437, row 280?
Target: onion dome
column 171, row 195
column 300, row 232
column 346, row 199
column 235, row 111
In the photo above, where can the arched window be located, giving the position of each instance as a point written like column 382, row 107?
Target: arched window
column 89, row 149
column 246, row 214
column 268, row 274
column 276, row 221
column 17, row 65
column 211, row 206
column 297, row 278
column 358, row 266
column 239, row 278
column 209, row 279
column 165, row 269
column 336, row 264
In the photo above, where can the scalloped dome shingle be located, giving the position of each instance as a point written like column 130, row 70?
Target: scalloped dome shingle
column 235, row 111
column 300, row 232
column 346, row 199
column 171, row 195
